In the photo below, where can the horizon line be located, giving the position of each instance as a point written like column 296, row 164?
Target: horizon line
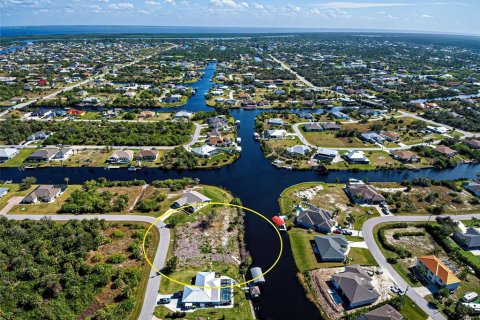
column 292, row 29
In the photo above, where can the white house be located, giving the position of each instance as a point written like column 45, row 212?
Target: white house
column 440, row 130
column 205, row 151
column 209, row 291
column 7, row 154
column 276, row 134
column 3, row 191
column 299, row 149
column 356, row 156
column 121, row 156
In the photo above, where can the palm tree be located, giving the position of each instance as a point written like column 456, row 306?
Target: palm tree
column 67, row 180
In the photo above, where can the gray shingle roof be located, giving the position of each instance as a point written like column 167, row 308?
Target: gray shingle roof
column 356, row 285
column 331, row 247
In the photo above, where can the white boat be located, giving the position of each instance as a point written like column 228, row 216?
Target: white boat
column 256, row 136
column 239, row 140
column 132, row 168
column 239, row 149
column 237, row 123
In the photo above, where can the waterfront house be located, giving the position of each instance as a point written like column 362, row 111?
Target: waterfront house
column 276, row 122
column 331, row 248
column 217, row 141
column 183, row 115
column 42, row 155
column 316, row 218
column 147, row 155
column 362, row 193
column 356, row 156
column 45, row 193
column 7, row 154
column 275, row 134
column 405, row 156
column 312, row 127
column 389, row 136
column 299, row 150
column 3, row 191
column 209, row 291
column 446, row 151
column 63, row 154
column 325, row 155
column 473, row 187
column 385, row 312
column 438, row 273
column 473, row 143
column 205, row 151
column 470, row 239
column 355, row 286
column 330, row 126
column 218, row 123
column 121, row 156
column 339, row 115
column 193, row 199
column 439, row 130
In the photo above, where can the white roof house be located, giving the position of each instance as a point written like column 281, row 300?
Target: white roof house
column 299, row 149
column 207, row 291
column 7, row 153
column 183, row 114
column 356, row 156
column 276, row 121
column 205, row 151
column 276, row 133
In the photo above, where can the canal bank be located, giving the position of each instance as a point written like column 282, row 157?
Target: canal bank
column 258, row 184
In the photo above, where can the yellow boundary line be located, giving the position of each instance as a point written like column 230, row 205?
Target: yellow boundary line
column 214, row 287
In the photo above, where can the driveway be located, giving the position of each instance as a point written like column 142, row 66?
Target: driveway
column 13, row 201
column 382, row 261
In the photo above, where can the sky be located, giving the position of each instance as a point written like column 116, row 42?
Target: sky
column 451, row 16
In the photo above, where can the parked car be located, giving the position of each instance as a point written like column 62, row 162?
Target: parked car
column 385, row 211
column 347, row 232
column 164, row 301
column 337, row 231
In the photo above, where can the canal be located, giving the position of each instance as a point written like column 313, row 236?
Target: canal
column 258, row 184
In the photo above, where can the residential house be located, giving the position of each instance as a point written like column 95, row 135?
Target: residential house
column 315, row 218
column 405, row 156
column 183, row 115
column 121, row 156
column 209, row 291
column 468, row 240
column 7, row 154
column 449, row 152
column 219, row 123
column 390, row 136
column 193, row 199
column 439, row 130
column 205, row 151
column 147, row 155
column 331, row 248
column 299, row 150
column 473, row 187
column 325, row 155
column 306, row 115
column 473, row 143
column 40, row 135
column 42, row 155
column 217, row 141
column 63, row 154
column 385, row 312
column 276, row 122
column 339, row 115
column 362, row 193
column 355, row 286
column 3, row 191
column 312, row 127
column 356, row 156
column 45, row 193
column 330, row 126
column 372, row 137
column 438, row 273
column 275, row 134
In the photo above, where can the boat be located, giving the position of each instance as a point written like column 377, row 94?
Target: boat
column 239, row 140
column 239, row 149
column 132, row 168
column 108, row 167
column 237, row 123
column 256, row 136
column 279, row 223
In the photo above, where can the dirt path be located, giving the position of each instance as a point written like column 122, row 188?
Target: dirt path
column 144, row 189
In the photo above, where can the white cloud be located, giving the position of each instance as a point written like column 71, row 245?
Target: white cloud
column 229, row 4
column 121, row 6
column 96, row 8
column 23, row 3
column 258, row 6
column 172, row 2
column 426, row 16
column 153, row 3
column 358, row 5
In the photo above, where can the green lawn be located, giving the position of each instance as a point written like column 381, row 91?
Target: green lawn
column 327, row 139
column 410, row 310
column 13, row 192
column 45, row 208
column 305, row 259
column 18, row 160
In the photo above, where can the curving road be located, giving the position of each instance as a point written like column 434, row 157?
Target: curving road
column 153, row 285
column 367, row 231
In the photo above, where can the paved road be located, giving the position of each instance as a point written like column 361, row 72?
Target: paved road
column 195, row 138
column 153, row 285
column 367, row 231
column 415, row 116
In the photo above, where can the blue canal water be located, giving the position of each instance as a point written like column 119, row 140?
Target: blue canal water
column 258, row 184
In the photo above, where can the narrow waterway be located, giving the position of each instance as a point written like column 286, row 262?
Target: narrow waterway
column 259, row 184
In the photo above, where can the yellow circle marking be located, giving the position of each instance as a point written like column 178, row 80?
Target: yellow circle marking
column 212, row 203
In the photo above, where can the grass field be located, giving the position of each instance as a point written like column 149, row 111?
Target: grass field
column 305, row 259
column 18, row 160
column 411, row 310
column 327, row 139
